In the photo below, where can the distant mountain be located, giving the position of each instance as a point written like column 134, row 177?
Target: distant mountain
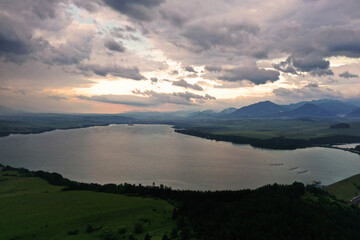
column 227, row 111
column 207, row 114
column 354, row 114
column 295, row 105
column 335, row 107
column 8, row 111
column 157, row 115
column 257, row 110
column 307, row 110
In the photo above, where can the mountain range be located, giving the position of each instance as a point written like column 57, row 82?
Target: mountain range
column 324, row 108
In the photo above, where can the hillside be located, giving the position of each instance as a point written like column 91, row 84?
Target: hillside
column 354, row 114
column 32, row 209
column 345, row 189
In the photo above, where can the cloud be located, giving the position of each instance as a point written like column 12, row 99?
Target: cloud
column 252, row 73
column 203, row 36
column 348, row 75
column 185, row 84
column 312, row 63
column 154, row 80
column 150, row 98
column 181, row 98
column 174, row 72
column 124, row 33
column 114, row 70
column 121, row 99
column 211, row 68
column 20, row 19
column 176, row 18
column 113, row 45
column 142, row 10
column 310, row 91
column 322, row 72
column 190, row 69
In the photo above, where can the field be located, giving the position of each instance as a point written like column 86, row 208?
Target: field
column 345, row 189
column 30, row 208
column 271, row 128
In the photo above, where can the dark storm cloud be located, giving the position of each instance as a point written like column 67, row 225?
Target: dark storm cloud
column 176, row 18
column 340, row 42
column 141, row 10
column 253, row 74
column 185, row 84
column 314, row 64
column 309, row 63
column 348, row 75
column 205, row 36
column 116, row 71
column 16, row 40
column 113, row 45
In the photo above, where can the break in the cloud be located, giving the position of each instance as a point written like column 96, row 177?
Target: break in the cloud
column 278, row 49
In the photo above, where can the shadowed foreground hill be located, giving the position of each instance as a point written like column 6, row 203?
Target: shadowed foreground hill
column 30, row 207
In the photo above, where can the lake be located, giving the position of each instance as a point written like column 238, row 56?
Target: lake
column 155, row 153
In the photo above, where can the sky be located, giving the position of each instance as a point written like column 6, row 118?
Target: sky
column 113, row 56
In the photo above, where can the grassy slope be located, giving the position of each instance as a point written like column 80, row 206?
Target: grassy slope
column 30, row 208
column 345, row 189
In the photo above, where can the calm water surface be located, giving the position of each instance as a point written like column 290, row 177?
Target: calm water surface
column 154, row 153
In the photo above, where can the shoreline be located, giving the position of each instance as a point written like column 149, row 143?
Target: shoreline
column 277, row 143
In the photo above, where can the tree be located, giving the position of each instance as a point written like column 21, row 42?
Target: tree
column 165, row 237
column 147, row 237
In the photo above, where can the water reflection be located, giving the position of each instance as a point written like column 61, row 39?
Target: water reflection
column 154, row 153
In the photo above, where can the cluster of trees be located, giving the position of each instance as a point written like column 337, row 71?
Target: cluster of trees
column 270, row 212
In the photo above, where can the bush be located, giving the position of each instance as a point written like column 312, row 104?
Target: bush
column 147, row 237
column 108, row 234
column 138, row 228
column 122, row 230
column 73, row 232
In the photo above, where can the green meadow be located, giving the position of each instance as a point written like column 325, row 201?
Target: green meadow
column 345, row 189
column 271, row 128
column 30, row 208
